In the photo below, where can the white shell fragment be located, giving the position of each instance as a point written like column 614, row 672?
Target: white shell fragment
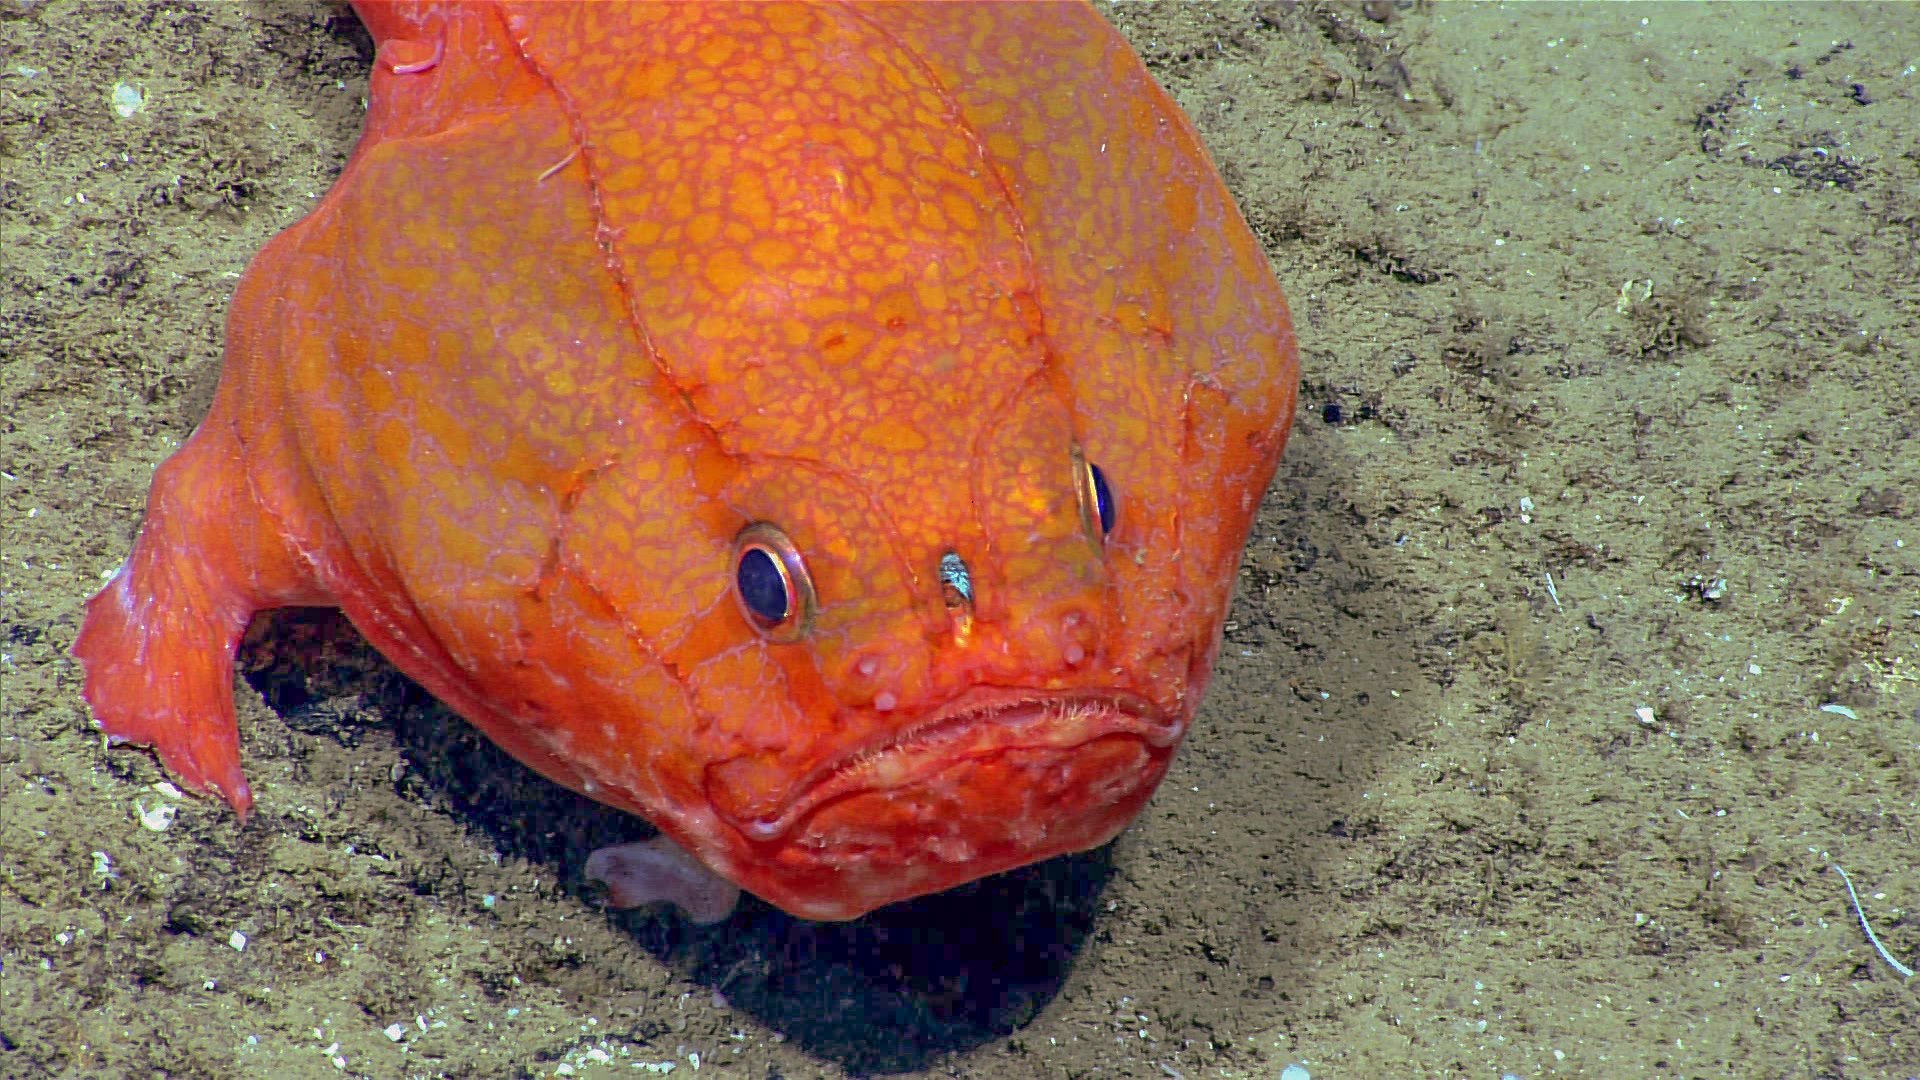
column 127, row 100
column 158, row 818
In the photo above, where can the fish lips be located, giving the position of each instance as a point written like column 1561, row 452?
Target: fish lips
column 995, row 779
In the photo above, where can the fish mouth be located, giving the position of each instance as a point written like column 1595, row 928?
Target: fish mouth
column 1041, row 730
column 993, row 780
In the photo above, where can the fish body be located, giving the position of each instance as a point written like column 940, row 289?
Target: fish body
column 828, row 431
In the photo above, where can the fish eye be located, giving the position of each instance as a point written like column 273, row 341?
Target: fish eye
column 770, row 579
column 1097, row 506
column 1102, row 498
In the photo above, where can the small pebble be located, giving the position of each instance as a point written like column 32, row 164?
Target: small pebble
column 1295, row 1072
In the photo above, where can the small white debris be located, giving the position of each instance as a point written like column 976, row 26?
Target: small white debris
column 1840, row 710
column 210, row 984
column 563, row 1069
column 238, row 941
column 1295, row 1072
column 396, row 1032
column 599, row 1055
column 1639, row 918
column 1753, row 669
column 103, row 865
column 167, row 789
column 1645, row 714
column 127, row 100
column 158, row 819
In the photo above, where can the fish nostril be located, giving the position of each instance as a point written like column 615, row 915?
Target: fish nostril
column 1076, row 654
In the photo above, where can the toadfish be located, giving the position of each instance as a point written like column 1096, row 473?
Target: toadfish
column 827, row 431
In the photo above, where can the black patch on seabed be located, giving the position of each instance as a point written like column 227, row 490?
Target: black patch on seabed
column 894, row 991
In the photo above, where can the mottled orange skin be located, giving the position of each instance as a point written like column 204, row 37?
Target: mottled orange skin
column 605, row 283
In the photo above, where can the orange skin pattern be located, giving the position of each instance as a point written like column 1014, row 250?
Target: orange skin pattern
column 602, row 285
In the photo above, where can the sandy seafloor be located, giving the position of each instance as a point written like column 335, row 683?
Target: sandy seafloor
column 1623, row 295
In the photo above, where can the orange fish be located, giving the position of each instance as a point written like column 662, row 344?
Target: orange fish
column 827, row 431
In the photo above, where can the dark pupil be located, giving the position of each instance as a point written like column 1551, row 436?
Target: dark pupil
column 1102, row 497
column 762, row 586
